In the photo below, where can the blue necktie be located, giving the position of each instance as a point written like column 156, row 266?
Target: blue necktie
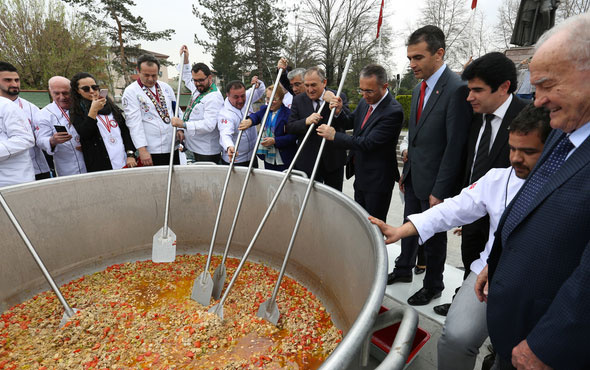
column 536, row 183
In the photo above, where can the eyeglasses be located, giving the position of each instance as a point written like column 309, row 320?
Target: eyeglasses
column 200, row 80
column 368, row 92
column 87, row 88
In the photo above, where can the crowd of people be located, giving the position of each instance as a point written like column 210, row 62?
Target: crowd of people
column 514, row 174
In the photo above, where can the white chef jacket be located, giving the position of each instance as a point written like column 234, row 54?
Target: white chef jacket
column 67, row 159
column 32, row 113
column 112, row 139
column 201, row 134
column 16, row 138
column 488, row 195
column 145, row 124
column 229, row 119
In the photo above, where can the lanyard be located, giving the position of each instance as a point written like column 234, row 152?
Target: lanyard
column 63, row 112
column 107, row 122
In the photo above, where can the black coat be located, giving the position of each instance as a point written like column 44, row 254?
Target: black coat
column 372, row 157
column 499, row 156
column 95, row 152
column 333, row 157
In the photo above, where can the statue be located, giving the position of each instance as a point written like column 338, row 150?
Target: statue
column 534, row 17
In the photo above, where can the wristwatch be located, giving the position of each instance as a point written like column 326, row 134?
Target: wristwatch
column 130, row 154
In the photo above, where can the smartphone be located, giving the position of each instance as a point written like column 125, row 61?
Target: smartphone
column 59, row 128
column 103, row 93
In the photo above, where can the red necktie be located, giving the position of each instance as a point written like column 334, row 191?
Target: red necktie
column 421, row 102
column 367, row 116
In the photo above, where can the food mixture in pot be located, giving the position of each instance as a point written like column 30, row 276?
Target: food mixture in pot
column 140, row 316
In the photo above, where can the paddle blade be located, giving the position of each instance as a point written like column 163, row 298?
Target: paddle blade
column 269, row 310
column 66, row 317
column 164, row 249
column 202, row 289
column 218, row 310
column 218, row 280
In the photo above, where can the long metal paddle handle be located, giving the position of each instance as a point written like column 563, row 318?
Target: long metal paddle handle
column 168, row 189
column 268, row 210
column 308, row 190
column 252, row 159
column 225, row 185
column 62, row 300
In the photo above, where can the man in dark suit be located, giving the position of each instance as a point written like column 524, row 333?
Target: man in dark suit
column 438, row 127
column 491, row 80
column 304, row 113
column 539, row 267
column 376, row 124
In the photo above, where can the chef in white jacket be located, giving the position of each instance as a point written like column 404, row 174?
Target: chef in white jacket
column 10, row 88
column 229, row 118
column 64, row 146
column 16, row 138
column 200, row 118
column 149, row 107
column 465, row 328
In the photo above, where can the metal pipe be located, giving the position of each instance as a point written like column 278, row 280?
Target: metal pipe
column 402, row 344
column 69, row 311
column 225, row 185
column 308, row 190
column 167, row 211
column 252, row 159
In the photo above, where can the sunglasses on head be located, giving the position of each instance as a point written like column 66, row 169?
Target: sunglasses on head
column 87, row 88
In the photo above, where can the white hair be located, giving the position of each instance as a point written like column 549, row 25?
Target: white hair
column 577, row 45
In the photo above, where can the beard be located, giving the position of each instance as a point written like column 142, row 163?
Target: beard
column 12, row 91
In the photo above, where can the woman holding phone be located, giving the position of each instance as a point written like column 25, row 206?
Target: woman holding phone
column 104, row 136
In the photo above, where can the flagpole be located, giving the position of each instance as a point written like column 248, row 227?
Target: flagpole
column 379, row 23
column 472, row 38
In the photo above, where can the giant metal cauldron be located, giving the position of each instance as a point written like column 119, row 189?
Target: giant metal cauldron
column 84, row 223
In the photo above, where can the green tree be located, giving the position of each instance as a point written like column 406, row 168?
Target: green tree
column 123, row 29
column 243, row 35
column 42, row 40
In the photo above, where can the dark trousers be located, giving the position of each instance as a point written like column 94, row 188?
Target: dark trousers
column 375, row 203
column 333, row 179
column 163, row 159
column 435, row 248
column 43, row 175
column 215, row 158
column 242, row 164
column 474, row 237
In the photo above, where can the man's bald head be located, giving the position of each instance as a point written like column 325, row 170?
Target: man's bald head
column 560, row 71
column 59, row 89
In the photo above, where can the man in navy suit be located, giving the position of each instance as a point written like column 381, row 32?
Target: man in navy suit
column 438, row 127
column 376, row 124
column 539, row 267
column 304, row 112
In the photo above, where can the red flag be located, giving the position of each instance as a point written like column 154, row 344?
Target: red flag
column 473, row 4
column 380, row 22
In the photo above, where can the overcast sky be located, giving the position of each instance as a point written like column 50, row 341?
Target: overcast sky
column 177, row 14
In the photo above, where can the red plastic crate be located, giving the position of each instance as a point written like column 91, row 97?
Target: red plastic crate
column 383, row 338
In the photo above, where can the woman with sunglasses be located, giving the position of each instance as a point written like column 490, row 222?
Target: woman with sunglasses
column 277, row 148
column 104, row 136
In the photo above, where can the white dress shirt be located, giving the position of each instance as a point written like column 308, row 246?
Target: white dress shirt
column 228, row 121
column 146, row 127
column 488, row 195
column 201, row 134
column 32, row 113
column 16, row 138
column 67, row 159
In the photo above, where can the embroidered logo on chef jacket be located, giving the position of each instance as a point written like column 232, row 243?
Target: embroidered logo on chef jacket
column 224, row 121
column 77, row 139
column 143, row 104
column 125, row 102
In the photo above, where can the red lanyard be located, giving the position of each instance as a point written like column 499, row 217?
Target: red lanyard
column 63, row 112
column 20, row 103
column 108, row 123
